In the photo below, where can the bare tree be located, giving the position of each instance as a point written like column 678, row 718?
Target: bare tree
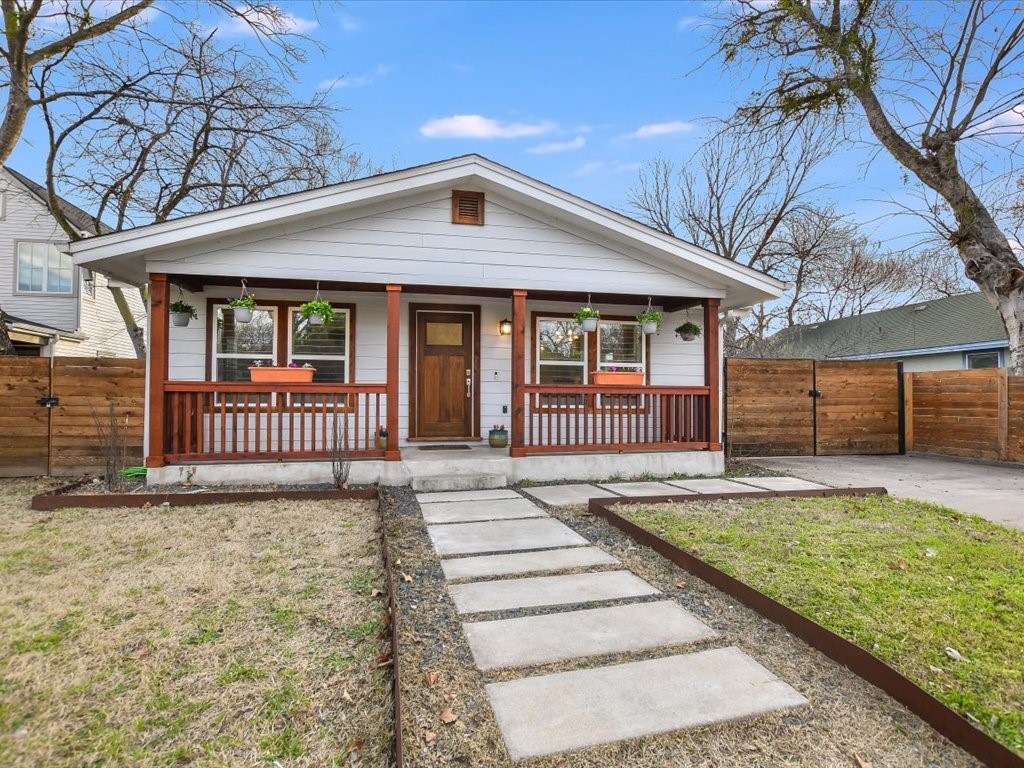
column 931, row 89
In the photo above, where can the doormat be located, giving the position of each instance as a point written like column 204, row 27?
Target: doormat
column 443, row 447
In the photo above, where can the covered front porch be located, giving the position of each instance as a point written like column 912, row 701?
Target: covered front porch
column 375, row 414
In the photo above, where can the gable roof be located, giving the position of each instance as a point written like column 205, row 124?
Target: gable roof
column 121, row 254
column 80, row 219
column 960, row 322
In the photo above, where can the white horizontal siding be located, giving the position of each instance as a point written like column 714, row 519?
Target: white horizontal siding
column 413, row 242
column 672, row 361
column 101, row 324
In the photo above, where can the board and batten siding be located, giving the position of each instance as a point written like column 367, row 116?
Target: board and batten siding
column 412, row 241
column 672, row 361
column 25, row 218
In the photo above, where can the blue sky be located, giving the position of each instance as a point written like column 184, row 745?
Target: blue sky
column 576, row 94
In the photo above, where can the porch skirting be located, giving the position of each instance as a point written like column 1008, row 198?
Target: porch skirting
column 546, row 468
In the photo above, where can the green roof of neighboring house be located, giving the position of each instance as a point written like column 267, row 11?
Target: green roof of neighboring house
column 956, row 322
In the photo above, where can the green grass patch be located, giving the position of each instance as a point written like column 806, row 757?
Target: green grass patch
column 903, row 579
column 360, row 631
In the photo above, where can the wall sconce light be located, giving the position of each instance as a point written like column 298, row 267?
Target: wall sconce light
column 505, row 327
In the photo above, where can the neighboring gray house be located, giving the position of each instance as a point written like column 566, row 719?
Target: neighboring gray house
column 50, row 306
column 943, row 334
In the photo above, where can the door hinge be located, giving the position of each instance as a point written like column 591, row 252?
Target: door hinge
column 48, row 402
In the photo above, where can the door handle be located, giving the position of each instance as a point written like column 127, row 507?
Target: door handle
column 469, row 383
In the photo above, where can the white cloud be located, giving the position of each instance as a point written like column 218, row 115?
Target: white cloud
column 281, row 21
column 558, row 146
column 1010, row 121
column 627, row 167
column 686, row 22
column 356, row 81
column 660, row 129
column 479, row 127
column 589, row 169
column 350, row 24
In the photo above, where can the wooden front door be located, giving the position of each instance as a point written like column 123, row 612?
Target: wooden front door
column 445, row 374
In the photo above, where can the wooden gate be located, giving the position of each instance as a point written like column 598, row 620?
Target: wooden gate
column 63, row 438
column 812, row 407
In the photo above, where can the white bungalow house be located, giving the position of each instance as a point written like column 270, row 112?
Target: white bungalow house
column 453, row 286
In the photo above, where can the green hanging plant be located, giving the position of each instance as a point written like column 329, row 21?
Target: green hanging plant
column 586, row 313
column 247, row 301
column 650, row 316
column 319, row 308
column 183, row 308
column 688, row 331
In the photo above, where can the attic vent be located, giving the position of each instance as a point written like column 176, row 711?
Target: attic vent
column 467, row 207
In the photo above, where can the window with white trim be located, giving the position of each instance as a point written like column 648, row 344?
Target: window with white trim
column 42, row 268
column 561, row 351
column 978, row 360
column 621, row 346
column 236, row 346
column 325, row 347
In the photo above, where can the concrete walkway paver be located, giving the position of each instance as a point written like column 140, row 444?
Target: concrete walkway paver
column 710, row 485
column 781, row 484
column 488, row 566
column 485, row 509
column 532, row 640
column 441, row 496
column 639, row 489
column 537, row 591
column 567, row 495
column 503, row 536
column 570, row 710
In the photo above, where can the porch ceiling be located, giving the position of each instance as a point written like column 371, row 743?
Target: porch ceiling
column 196, row 283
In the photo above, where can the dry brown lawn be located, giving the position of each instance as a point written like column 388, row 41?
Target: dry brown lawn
column 242, row 635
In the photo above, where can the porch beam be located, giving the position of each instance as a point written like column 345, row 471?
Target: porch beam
column 394, row 292
column 712, row 372
column 518, row 423
column 159, row 293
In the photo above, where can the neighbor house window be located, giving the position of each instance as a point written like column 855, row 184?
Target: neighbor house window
column 236, row 346
column 41, row 268
column 325, row 347
column 620, row 346
column 982, row 359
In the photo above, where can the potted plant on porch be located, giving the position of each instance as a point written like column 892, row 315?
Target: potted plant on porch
column 243, row 307
column 317, row 311
column 181, row 313
column 688, row 331
column 498, row 436
column 615, row 377
column 264, row 371
column 650, row 320
column 587, row 318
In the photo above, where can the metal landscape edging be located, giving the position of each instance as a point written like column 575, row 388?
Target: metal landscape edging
column 944, row 720
column 396, row 679
column 59, row 499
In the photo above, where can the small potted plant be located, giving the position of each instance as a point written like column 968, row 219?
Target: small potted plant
column 688, row 331
column 264, row 371
column 587, row 318
column 382, row 438
column 181, row 313
column 650, row 320
column 317, row 311
column 498, row 436
column 243, row 307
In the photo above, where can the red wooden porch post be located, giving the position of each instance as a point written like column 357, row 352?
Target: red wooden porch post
column 159, row 292
column 392, row 453
column 518, row 447
column 712, row 371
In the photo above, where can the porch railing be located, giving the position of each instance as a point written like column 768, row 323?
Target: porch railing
column 569, row 418
column 242, row 421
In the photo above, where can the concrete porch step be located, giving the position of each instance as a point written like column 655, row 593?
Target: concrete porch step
column 468, row 481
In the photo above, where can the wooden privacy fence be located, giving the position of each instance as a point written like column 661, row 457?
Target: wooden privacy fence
column 970, row 414
column 49, row 409
column 812, row 407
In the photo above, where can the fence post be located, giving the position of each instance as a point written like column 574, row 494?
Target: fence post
column 1003, row 404
column 908, row 411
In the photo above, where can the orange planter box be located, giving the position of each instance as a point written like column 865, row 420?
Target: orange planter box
column 280, row 374
column 622, row 378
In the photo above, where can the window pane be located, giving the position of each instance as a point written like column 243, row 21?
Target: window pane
column 560, row 340
column 326, row 370
column 984, row 360
column 309, row 339
column 560, row 374
column 233, row 369
column 620, row 343
column 255, row 338
column 25, row 269
column 444, row 334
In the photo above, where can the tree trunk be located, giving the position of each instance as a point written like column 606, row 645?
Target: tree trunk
column 6, row 345
column 134, row 332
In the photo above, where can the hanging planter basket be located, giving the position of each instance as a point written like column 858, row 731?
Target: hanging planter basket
column 317, row 311
column 587, row 317
column 243, row 306
column 650, row 319
column 688, row 331
column 181, row 312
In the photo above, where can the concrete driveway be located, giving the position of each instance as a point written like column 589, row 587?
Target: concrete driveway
column 992, row 491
